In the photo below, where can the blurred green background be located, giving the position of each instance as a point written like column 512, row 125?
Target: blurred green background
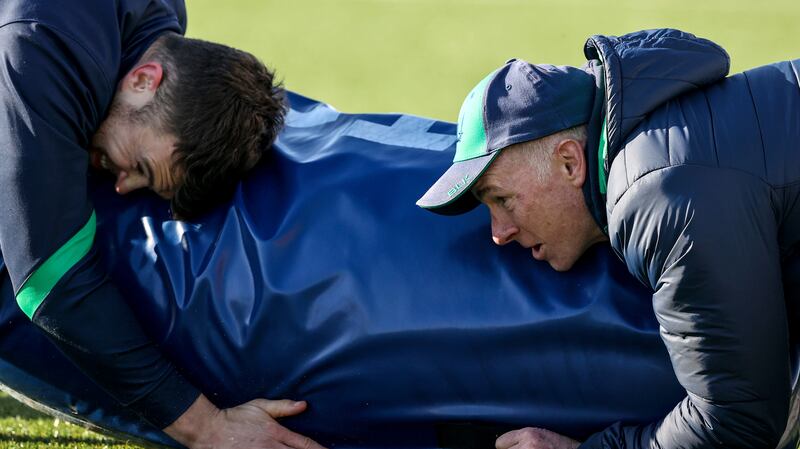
column 423, row 56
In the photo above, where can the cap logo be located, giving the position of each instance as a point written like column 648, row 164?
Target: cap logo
column 459, row 185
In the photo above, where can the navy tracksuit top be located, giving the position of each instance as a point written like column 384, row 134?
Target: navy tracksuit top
column 61, row 62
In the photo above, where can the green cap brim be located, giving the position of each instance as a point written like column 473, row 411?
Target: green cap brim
column 450, row 195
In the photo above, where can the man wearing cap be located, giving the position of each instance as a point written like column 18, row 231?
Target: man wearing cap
column 694, row 179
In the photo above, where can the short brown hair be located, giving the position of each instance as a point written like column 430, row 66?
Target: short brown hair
column 225, row 108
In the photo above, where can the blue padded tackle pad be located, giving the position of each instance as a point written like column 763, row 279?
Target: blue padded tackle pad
column 323, row 281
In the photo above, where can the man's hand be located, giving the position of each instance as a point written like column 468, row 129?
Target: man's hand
column 533, row 438
column 251, row 425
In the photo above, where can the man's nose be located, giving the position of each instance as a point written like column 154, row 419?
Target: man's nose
column 122, row 186
column 128, row 183
column 503, row 231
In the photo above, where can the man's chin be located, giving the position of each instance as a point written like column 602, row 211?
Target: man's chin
column 562, row 265
column 560, row 268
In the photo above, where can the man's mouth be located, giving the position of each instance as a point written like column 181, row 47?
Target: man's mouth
column 100, row 160
column 94, row 158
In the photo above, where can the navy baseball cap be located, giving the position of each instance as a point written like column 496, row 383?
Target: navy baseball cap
column 516, row 103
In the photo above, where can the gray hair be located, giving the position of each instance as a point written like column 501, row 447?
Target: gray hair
column 539, row 152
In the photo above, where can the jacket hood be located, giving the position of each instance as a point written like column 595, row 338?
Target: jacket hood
column 645, row 69
column 635, row 74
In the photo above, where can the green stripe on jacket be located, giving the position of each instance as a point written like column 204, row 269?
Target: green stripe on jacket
column 42, row 281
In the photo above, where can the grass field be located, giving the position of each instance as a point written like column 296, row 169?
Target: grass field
column 22, row 427
column 422, row 57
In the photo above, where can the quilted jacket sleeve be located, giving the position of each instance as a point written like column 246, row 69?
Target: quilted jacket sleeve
column 704, row 239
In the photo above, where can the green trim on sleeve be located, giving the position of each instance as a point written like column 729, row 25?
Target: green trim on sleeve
column 602, row 154
column 42, row 281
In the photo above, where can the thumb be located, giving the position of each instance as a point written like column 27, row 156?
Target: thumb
column 280, row 408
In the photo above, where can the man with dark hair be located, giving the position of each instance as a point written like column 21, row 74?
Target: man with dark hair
column 222, row 114
column 182, row 117
column 695, row 180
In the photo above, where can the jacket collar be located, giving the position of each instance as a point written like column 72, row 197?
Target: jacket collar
column 635, row 74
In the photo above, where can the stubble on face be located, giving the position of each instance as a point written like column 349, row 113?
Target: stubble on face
column 546, row 214
column 128, row 141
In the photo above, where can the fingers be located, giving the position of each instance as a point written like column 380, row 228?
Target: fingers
column 297, row 441
column 535, row 438
column 508, row 439
column 281, row 408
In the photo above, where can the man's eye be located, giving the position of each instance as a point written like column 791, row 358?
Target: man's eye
column 502, row 201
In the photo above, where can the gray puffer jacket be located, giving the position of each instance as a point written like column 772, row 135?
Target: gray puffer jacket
column 703, row 205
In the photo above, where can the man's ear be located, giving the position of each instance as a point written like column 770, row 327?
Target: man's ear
column 571, row 161
column 140, row 84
